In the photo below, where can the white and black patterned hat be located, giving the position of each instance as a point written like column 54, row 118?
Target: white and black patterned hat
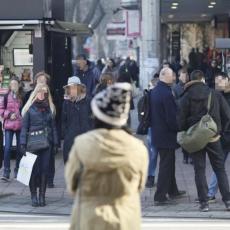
column 112, row 105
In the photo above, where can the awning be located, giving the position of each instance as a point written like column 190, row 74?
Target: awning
column 70, row 28
column 64, row 27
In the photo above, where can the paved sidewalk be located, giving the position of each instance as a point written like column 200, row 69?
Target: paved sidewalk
column 15, row 197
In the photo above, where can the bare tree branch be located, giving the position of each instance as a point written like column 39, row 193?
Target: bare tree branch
column 91, row 12
column 97, row 22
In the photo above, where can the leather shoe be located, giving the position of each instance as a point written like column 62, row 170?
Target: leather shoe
column 164, row 202
column 227, row 205
column 177, row 195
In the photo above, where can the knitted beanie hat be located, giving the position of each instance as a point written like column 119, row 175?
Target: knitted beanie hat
column 112, row 105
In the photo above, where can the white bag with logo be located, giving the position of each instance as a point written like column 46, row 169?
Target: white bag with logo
column 25, row 168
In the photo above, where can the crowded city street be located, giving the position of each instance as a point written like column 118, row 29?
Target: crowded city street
column 114, row 114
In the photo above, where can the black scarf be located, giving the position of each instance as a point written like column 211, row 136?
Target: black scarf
column 42, row 105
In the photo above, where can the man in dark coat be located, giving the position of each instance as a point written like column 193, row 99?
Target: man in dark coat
column 178, row 89
column 211, row 72
column 221, row 85
column 192, row 59
column 193, row 106
column 88, row 73
column 164, row 133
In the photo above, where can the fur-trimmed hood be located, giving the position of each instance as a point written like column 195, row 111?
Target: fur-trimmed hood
column 197, row 90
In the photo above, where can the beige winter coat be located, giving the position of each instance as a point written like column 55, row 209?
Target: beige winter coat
column 114, row 171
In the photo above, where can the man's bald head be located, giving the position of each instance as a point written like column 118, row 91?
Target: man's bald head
column 167, row 75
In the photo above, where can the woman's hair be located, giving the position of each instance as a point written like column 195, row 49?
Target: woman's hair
column 81, row 89
column 42, row 73
column 33, row 96
column 113, row 61
column 106, row 77
column 19, row 93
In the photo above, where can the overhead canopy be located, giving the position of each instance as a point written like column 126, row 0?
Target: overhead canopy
column 193, row 10
column 70, row 28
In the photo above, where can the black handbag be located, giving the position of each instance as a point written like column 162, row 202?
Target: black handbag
column 37, row 141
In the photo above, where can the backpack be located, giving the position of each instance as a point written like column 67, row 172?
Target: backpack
column 144, row 113
column 199, row 135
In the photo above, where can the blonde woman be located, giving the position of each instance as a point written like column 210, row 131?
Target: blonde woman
column 39, row 115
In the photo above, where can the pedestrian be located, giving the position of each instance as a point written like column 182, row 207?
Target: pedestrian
column 39, row 117
column 44, row 78
column 210, row 74
column 125, row 77
column 130, row 67
column 192, row 60
column 100, row 64
column 193, row 106
column 40, row 78
column 199, row 59
column 76, row 114
column 1, row 145
column 164, row 132
column 178, row 90
column 26, row 81
column 106, row 80
column 12, row 123
column 152, row 150
column 107, row 176
column 221, row 85
column 88, row 73
column 111, row 68
column 184, row 65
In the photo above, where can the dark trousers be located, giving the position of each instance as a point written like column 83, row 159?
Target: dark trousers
column 166, row 183
column 216, row 157
column 51, row 171
column 42, row 163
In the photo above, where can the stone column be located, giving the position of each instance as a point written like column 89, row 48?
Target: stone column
column 150, row 42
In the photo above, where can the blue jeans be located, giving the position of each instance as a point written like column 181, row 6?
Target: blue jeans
column 9, row 134
column 213, row 185
column 153, row 154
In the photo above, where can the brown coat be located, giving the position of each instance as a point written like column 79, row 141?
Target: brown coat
column 113, row 168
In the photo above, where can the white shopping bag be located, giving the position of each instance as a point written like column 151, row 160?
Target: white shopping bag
column 26, row 167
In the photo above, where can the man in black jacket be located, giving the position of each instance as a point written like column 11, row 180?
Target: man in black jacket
column 193, row 106
column 164, row 130
column 211, row 72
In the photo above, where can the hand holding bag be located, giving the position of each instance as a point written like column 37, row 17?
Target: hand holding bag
column 200, row 134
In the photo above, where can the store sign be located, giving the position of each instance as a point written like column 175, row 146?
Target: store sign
column 116, row 31
column 22, row 57
column 133, row 23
